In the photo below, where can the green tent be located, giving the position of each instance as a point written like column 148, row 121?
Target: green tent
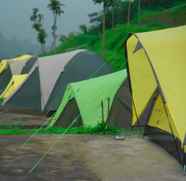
column 88, row 102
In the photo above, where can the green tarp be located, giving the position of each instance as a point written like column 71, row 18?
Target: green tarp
column 90, row 95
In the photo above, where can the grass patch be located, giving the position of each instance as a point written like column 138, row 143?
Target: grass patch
column 100, row 129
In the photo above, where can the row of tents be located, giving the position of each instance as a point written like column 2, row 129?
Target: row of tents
column 39, row 85
column 78, row 87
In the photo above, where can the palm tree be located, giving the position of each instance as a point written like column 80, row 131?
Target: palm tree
column 56, row 7
column 37, row 20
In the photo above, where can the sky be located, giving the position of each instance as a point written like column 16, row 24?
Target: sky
column 15, row 14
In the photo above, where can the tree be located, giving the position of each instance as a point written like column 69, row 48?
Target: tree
column 139, row 10
column 83, row 29
column 56, row 7
column 37, row 20
column 106, row 5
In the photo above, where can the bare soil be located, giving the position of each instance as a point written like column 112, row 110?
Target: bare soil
column 8, row 119
column 86, row 158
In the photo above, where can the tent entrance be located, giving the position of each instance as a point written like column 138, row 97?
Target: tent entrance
column 70, row 113
column 160, row 129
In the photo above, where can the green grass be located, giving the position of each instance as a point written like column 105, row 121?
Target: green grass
column 100, row 129
column 173, row 16
column 115, row 41
column 116, row 37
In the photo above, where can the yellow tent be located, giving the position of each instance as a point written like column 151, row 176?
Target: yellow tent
column 23, row 57
column 13, row 85
column 157, row 71
column 3, row 66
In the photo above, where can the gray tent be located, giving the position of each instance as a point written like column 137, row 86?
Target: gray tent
column 43, row 90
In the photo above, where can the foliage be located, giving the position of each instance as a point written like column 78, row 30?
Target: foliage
column 55, row 6
column 100, row 129
column 37, row 20
column 83, row 29
column 115, row 39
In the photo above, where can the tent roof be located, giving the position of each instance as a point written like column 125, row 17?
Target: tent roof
column 52, row 67
column 17, row 64
column 3, row 66
column 89, row 94
column 165, row 51
column 14, row 83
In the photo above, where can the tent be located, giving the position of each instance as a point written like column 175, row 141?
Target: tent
column 88, row 102
column 14, row 83
column 45, row 85
column 120, row 113
column 156, row 65
column 5, row 75
column 16, row 66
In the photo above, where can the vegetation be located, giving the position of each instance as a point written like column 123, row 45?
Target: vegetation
column 55, row 6
column 37, row 20
column 98, row 130
column 152, row 17
column 114, row 51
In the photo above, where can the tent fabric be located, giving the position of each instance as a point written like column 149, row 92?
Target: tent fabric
column 49, row 76
column 83, row 65
column 19, row 65
column 160, row 64
column 16, row 66
column 120, row 113
column 27, row 98
column 58, row 65
column 14, row 83
column 5, row 75
column 3, row 66
column 93, row 98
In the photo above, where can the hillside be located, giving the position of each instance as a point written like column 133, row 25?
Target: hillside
column 116, row 37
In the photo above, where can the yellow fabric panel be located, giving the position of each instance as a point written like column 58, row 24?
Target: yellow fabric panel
column 161, row 119
column 14, row 83
column 167, row 51
column 23, row 57
column 142, row 79
column 3, row 66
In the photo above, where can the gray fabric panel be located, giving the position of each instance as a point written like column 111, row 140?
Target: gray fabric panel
column 17, row 66
column 28, row 97
column 83, row 66
column 138, row 47
column 28, row 66
column 50, row 69
column 5, row 77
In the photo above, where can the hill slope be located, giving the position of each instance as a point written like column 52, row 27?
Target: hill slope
column 115, row 38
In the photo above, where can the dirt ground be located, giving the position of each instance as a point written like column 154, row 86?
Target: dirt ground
column 22, row 120
column 86, row 158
